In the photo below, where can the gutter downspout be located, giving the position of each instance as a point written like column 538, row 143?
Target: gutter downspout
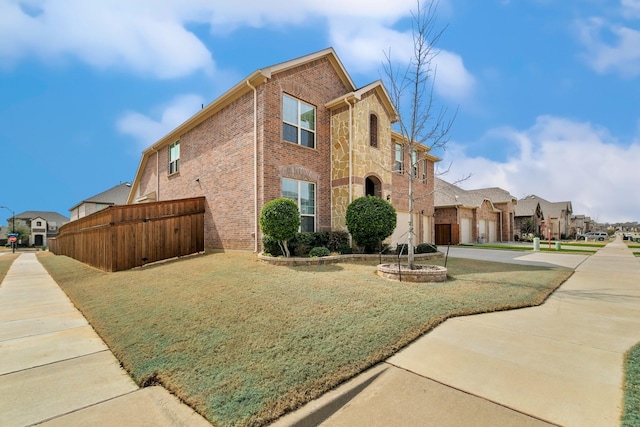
column 255, row 165
column 157, row 174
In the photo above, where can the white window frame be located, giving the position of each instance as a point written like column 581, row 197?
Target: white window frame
column 424, row 171
column 298, row 200
column 298, row 125
column 174, row 158
column 398, row 165
column 414, row 164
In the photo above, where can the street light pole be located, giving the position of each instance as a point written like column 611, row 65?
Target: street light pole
column 13, row 226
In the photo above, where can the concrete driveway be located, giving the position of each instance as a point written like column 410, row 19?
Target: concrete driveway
column 557, row 364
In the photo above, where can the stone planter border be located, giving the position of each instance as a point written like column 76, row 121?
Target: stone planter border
column 333, row 259
column 421, row 274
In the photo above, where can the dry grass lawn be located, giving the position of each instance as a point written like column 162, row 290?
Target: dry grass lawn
column 243, row 342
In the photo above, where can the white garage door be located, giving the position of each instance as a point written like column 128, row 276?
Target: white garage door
column 492, row 231
column 465, row 230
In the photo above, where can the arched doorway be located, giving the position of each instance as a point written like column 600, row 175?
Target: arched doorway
column 373, row 186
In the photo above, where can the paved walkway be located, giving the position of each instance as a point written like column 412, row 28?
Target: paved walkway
column 557, row 364
column 55, row 370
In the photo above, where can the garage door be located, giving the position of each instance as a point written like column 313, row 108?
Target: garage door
column 465, row 229
column 492, row 232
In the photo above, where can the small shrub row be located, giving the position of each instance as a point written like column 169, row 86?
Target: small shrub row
column 302, row 243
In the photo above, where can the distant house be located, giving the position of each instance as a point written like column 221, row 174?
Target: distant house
column 299, row 129
column 42, row 225
column 114, row 196
column 463, row 216
column 506, row 203
column 556, row 221
column 528, row 217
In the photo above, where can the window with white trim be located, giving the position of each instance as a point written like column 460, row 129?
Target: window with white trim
column 298, row 122
column 174, row 157
column 304, row 194
column 398, row 164
column 414, row 164
column 424, row 171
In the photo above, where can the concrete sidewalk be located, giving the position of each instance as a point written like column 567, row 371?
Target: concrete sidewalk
column 557, row 364
column 55, row 370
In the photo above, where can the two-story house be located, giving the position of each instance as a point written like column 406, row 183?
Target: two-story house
column 42, row 226
column 299, row 129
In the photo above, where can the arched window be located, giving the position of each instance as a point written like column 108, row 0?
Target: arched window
column 373, row 130
column 373, row 186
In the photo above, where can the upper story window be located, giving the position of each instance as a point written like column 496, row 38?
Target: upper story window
column 398, row 164
column 424, row 171
column 304, row 194
column 414, row 164
column 174, row 157
column 299, row 122
column 373, row 130
column 38, row 223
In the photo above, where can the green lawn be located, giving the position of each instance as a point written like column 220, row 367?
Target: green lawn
column 243, row 342
column 544, row 247
column 631, row 411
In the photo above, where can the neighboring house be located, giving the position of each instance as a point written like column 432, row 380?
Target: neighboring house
column 506, row 203
column 299, row 129
column 463, row 216
column 580, row 224
column 528, row 217
column 42, row 225
column 550, row 219
column 3, row 235
column 114, row 196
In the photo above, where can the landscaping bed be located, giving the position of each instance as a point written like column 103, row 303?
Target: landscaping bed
column 243, row 341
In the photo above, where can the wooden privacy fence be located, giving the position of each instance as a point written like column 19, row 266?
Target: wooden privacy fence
column 122, row 237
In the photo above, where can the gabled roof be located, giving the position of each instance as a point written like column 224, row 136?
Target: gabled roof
column 495, row 194
column 246, row 85
column 114, row 196
column 48, row 216
column 549, row 209
column 449, row 195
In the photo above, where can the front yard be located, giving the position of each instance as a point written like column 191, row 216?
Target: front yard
column 243, row 341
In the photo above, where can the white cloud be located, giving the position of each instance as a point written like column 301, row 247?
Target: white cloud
column 147, row 130
column 612, row 47
column 631, row 8
column 151, row 37
column 560, row 159
column 142, row 36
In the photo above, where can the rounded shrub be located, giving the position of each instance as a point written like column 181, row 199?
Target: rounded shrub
column 370, row 220
column 280, row 220
column 426, row 248
column 319, row 251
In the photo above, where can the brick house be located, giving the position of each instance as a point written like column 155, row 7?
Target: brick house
column 506, row 203
column 528, row 217
column 556, row 216
column 299, row 129
column 463, row 216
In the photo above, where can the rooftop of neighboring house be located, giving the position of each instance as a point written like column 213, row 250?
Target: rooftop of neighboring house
column 114, row 196
column 527, row 205
column 495, row 194
column 447, row 195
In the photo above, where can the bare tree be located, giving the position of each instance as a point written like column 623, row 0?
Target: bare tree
column 411, row 90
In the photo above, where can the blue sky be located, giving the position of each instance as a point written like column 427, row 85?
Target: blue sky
column 547, row 92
